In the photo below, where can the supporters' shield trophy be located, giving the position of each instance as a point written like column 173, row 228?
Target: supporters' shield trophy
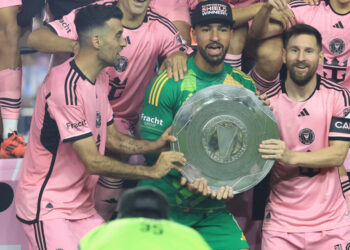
column 219, row 130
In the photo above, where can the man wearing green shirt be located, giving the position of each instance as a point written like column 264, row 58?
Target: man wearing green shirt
column 143, row 224
column 212, row 30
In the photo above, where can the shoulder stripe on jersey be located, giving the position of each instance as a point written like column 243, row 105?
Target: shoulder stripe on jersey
column 70, row 87
column 160, row 89
column 331, row 85
column 274, row 90
column 244, row 75
column 163, row 20
column 152, row 94
column 297, row 3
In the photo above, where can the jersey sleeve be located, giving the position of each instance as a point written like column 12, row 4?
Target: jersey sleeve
column 70, row 118
column 243, row 79
column 65, row 26
column 158, row 110
column 340, row 123
column 172, row 40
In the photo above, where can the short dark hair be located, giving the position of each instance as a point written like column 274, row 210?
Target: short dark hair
column 302, row 29
column 95, row 15
column 144, row 202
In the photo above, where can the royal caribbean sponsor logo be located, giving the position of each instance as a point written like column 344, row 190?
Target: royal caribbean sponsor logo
column 82, row 123
column 342, row 125
column 306, row 136
column 210, row 9
column 151, row 121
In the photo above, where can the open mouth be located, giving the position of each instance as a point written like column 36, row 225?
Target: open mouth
column 139, row 3
column 214, row 49
column 301, row 67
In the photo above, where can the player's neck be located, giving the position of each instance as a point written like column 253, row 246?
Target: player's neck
column 131, row 20
column 88, row 64
column 300, row 93
column 205, row 66
column 339, row 7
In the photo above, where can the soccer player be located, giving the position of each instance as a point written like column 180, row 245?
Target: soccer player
column 149, row 36
column 164, row 96
column 10, row 79
column 143, row 224
column 71, row 128
column 331, row 19
column 306, row 208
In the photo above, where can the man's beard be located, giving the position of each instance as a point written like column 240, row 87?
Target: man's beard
column 209, row 59
column 301, row 80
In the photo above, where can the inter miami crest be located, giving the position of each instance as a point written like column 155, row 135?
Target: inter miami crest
column 337, row 46
column 346, row 112
column 98, row 119
column 123, row 63
column 306, row 136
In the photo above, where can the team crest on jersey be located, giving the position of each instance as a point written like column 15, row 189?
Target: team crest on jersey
column 98, row 119
column 306, row 136
column 123, row 63
column 337, row 46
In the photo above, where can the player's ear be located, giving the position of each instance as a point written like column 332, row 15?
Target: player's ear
column 96, row 41
column 284, row 55
column 194, row 35
column 321, row 58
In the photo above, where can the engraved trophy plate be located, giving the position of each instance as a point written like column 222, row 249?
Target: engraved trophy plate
column 219, row 130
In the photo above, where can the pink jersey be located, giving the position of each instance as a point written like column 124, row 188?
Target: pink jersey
column 306, row 199
column 156, row 37
column 335, row 31
column 54, row 183
column 10, row 3
column 174, row 10
column 241, row 3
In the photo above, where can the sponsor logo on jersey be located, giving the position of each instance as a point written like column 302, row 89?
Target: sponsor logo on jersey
column 338, row 25
column 306, row 136
column 123, row 63
column 82, row 123
column 340, row 125
column 65, row 26
column 334, row 70
column 98, row 119
column 304, row 112
column 151, row 121
column 337, row 46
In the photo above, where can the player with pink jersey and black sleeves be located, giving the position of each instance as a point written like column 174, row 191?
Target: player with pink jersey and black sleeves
column 72, row 127
column 306, row 208
column 149, row 36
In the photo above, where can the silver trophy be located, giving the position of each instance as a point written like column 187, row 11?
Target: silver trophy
column 219, row 130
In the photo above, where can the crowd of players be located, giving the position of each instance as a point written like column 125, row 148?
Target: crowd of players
column 78, row 126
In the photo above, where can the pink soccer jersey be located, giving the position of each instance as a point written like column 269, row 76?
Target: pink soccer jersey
column 54, row 183
column 306, row 199
column 174, row 10
column 9, row 3
column 335, row 31
column 156, row 37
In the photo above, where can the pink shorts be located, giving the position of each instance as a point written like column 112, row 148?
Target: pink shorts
column 335, row 239
column 10, row 3
column 59, row 233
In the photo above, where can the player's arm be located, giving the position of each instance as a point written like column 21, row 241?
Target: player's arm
column 96, row 163
column 120, row 143
column 331, row 156
column 46, row 41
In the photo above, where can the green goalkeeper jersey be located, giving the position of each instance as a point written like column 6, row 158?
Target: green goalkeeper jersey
column 163, row 98
column 143, row 233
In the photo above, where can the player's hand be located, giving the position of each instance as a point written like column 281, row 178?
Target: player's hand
column 275, row 150
column 175, row 65
column 285, row 17
column 162, row 143
column 199, row 186
column 279, row 5
column 224, row 193
column 167, row 161
column 263, row 97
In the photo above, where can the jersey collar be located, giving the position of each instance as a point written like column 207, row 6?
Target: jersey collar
column 81, row 74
